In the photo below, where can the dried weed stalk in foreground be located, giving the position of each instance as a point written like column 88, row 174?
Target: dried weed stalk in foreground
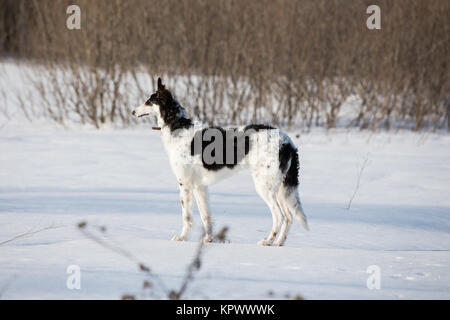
column 152, row 278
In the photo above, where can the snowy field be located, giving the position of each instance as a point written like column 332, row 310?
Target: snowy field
column 53, row 177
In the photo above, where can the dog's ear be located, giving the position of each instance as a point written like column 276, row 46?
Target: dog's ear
column 160, row 85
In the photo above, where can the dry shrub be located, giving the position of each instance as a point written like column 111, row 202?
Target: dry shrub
column 281, row 61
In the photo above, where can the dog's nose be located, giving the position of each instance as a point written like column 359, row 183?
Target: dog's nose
column 133, row 112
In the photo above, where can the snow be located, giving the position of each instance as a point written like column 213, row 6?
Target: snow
column 55, row 177
column 399, row 219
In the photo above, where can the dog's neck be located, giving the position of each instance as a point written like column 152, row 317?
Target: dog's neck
column 173, row 117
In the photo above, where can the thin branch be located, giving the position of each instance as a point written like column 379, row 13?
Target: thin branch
column 171, row 294
column 195, row 265
column 115, row 248
column 358, row 181
column 26, row 234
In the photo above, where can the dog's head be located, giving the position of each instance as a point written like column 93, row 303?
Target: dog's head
column 151, row 107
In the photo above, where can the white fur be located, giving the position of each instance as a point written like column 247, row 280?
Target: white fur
column 193, row 178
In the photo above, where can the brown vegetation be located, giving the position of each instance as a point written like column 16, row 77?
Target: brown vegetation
column 282, row 61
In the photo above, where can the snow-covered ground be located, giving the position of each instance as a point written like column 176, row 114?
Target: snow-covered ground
column 52, row 178
column 399, row 219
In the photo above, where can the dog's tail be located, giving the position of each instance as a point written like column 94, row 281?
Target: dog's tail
column 289, row 166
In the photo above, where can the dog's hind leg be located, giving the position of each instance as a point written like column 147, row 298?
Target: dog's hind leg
column 276, row 221
column 268, row 192
column 201, row 196
column 186, row 210
column 287, row 221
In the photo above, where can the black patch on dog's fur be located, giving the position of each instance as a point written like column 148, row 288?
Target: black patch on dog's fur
column 288, row 152
column 231, row 136
column 172, row 118
column 241, row 140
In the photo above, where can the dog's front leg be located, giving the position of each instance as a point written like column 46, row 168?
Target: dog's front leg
column 186, row 210
column 201, row 196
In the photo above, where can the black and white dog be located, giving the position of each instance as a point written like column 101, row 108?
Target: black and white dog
column 200, row 156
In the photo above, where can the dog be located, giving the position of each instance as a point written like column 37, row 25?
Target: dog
column 200, row 156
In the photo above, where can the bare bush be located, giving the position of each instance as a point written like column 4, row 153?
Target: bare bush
column 281, row 61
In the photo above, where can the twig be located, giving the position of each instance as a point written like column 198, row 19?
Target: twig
column 29, row 233
column 172, row 294
column 195, row 266
column 142, row 267
column 358, row 180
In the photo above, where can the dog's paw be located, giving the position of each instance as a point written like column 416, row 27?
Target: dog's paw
column 264, row 242
column 277, row 244
column 177, row 238
column 206, row 239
